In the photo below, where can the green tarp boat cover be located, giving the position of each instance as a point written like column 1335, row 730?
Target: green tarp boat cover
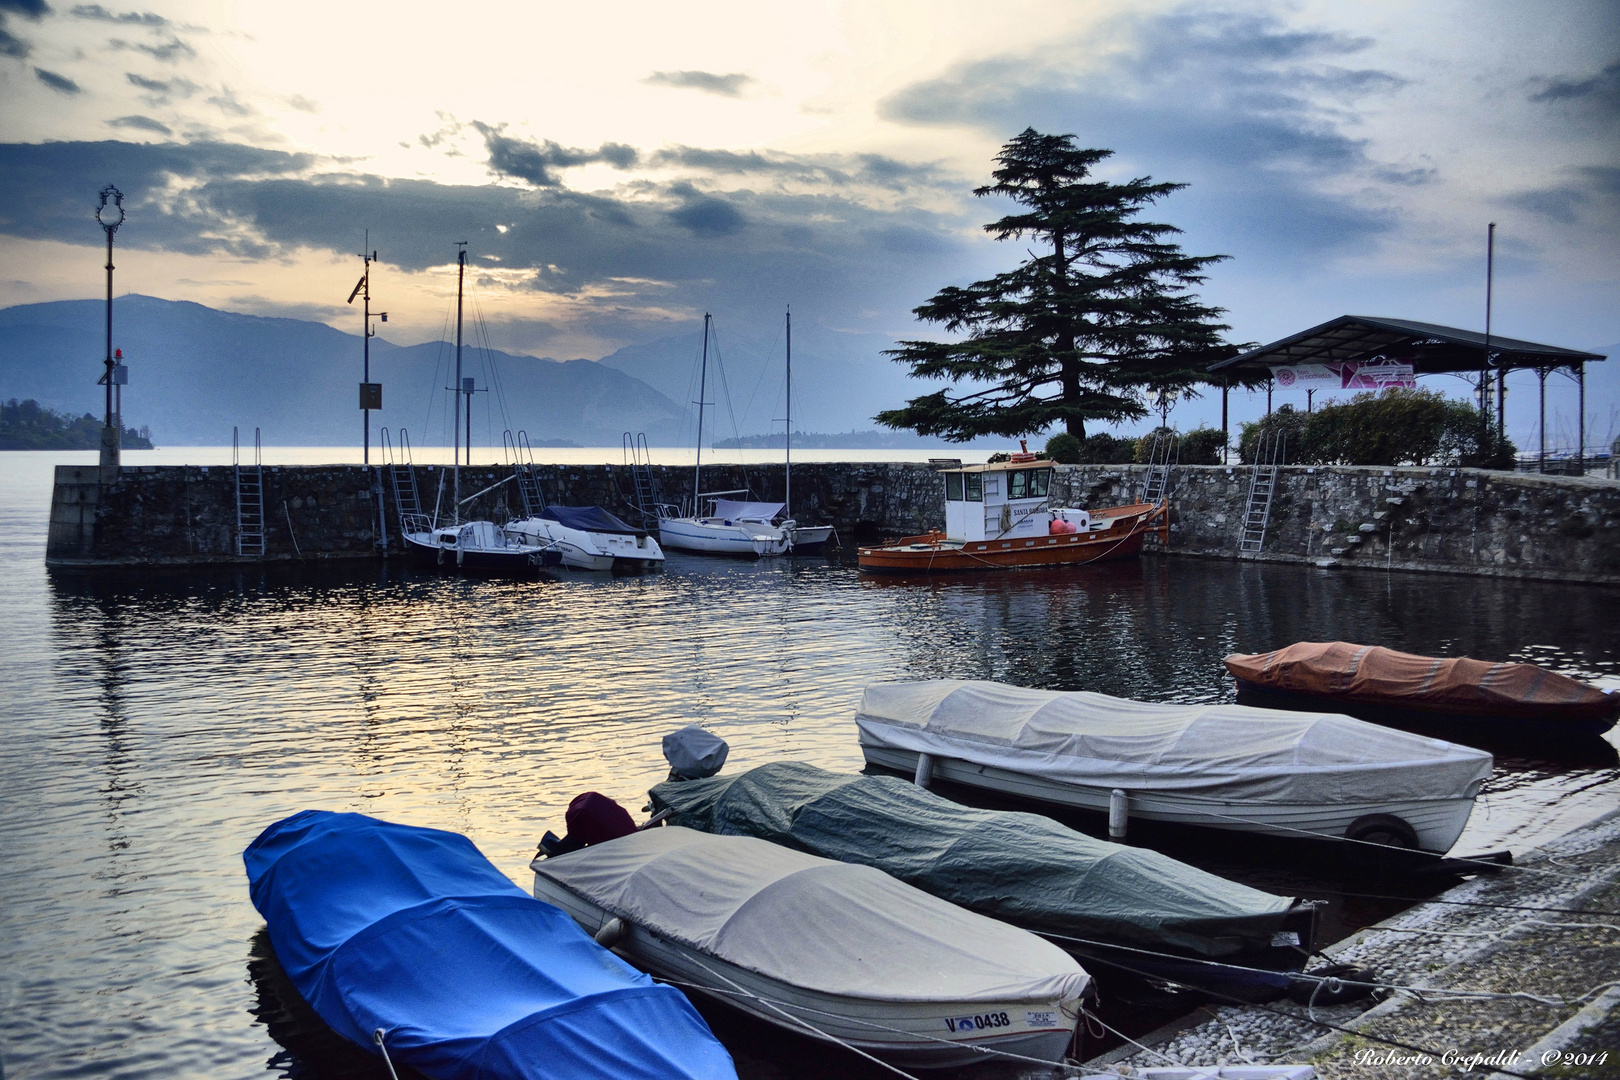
column 1022, row 868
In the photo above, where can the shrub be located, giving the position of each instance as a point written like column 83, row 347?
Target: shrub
column 1065, row 449
column 1144, row 446
column 1286, row 421
column 1396, row 427
column 1105, row 449
column 1202, row 446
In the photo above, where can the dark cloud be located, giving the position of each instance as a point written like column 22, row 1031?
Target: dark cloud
column 1249, row 111
column 13, row 46
column 1592, row 194
column 60, row 83
column 834, row 169
column 226, row 102
column 101, row 14
column 140, row 123
column 169, row 51
column 1597, row 95
column 10, row 44
column 162, row 91
column 28, row 9
column 537, row 162
column 725, row 85
column 705, row 215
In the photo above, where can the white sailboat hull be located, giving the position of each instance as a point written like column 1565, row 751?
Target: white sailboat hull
column 914, row 1033
column 1437, row 821
column 583, row 550
column 716, row 536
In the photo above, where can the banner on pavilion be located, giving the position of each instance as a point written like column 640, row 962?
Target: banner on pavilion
column 1346, row 376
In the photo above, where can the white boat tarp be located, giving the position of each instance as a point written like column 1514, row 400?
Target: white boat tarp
column 1220, row 752
column 826, row 926
column 1023, row 868
column 746, row 511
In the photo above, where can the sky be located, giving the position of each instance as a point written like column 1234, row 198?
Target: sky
column 619, row 169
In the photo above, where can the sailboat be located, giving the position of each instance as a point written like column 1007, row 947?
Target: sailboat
column 733, row 527
column 472, row 546
column 802, row 538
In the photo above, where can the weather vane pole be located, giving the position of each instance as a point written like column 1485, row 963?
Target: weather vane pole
column 110, row 215
column 370, row 392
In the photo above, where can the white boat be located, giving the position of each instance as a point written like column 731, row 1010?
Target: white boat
column 1220, row 766
column 480, row 547
column 831, row 950
column 590, row 538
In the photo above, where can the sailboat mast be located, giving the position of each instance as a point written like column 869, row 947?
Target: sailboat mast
column 787, row 495
column 703, row 384
column 461, row 275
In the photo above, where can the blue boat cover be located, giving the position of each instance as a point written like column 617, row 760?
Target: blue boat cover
column 413, row 931
column 590, row 519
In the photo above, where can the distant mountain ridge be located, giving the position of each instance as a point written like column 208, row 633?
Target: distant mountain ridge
column 196, row 371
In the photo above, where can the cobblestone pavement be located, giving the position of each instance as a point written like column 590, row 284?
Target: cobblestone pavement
column 1552, row 962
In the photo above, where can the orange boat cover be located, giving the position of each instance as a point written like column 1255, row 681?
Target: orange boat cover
column 1375, row 675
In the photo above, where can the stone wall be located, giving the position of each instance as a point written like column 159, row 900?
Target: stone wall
column 1449, row 520
column 1464, row 521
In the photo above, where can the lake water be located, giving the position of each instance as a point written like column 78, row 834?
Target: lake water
column 154, row 724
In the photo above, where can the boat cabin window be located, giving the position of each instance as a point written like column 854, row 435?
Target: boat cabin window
column 1028, row 483
column 953, row 487
column 975, row 487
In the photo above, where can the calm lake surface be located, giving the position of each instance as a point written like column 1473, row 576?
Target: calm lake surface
column 154, row 724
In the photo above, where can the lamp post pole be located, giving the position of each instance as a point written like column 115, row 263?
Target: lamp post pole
column 110, row 215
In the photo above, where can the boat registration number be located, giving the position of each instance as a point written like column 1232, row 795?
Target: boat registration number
column 979, row 1022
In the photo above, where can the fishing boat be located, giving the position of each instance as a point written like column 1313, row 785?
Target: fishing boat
column 1124, row 907
column 470, row 546
column 591, row 538
column 408, row 943
column 1406, row 690
column 1290, row 774
column 838, row 952
column 998, row 517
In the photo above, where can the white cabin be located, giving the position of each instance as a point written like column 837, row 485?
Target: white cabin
column 1004, row 499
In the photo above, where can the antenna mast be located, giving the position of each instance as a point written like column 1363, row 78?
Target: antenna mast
column 703, row 382
column 787, row 494
column 461, row 275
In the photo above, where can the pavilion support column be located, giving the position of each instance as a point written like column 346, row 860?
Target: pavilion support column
column 1501, row 403
column 1541, row 425
column 1226, row 434
column 1580, row 419
column 1269, row 384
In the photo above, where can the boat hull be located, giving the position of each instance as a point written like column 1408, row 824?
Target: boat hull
column 926, row 1034
column 584, row 550
column 1437, row 822
column 809, row 539
column 700, row 537
column 1127, row 531
column 523, row 562
column 1532, row 723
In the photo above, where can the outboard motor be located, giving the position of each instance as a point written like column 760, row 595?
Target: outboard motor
column 694, row 753
column 592, row 818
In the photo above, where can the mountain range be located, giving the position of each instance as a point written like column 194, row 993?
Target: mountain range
column 195, row 372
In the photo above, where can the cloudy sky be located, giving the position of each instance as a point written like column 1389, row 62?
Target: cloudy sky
column 619, row 168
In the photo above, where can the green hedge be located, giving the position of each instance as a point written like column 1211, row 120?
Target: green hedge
column 1396, row 427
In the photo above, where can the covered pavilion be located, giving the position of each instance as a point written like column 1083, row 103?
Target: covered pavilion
column 1430, row 349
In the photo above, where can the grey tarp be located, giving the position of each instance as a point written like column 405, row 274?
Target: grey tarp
column 1022, row 868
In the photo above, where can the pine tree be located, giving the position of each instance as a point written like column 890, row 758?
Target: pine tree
column 1092, row 329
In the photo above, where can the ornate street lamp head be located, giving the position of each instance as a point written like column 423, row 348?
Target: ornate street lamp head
column 110, row 216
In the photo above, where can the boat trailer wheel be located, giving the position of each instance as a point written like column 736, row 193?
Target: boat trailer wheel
column 1385, row 829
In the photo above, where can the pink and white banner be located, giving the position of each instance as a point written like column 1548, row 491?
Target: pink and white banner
column 1347, row 376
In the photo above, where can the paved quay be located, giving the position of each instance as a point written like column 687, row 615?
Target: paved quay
column 1527, row 986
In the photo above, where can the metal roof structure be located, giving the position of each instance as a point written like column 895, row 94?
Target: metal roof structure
column 1429, row 348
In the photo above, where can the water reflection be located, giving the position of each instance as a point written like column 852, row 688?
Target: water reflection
column 156, row 725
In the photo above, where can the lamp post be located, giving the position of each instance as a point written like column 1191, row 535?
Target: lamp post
column 110, row 215
column 370, row 392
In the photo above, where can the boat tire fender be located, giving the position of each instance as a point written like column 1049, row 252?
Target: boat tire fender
column 1331, row 984
column 1385, row 829
column 610, row 933
column 925, row 770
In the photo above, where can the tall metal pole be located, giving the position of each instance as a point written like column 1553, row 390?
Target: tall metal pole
column 109, row 218
column 1580, row 419
column 1485, row 372
column 703, row 392
column 461, row 275
column 1541, row 425
column 365, row 374
column 787, row 494
column 1226, row 434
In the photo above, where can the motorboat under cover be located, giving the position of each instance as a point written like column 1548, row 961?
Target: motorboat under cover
column 413, row 931
column 829, row 927
column 761, row 512
column 1025, row 869
column 1207, row 752
column 589, row 519
column 1459, row 686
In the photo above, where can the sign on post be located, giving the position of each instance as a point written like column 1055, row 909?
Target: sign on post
column 371, row 395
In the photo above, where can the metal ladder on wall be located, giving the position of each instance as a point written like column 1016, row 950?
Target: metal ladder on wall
column 402, row 478
column 1269, row 454
column 249, row 498
column 521, row 455
column 646, row 497
column 1162, row 455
